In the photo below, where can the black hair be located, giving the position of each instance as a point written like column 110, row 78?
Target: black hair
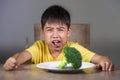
column 55, row 13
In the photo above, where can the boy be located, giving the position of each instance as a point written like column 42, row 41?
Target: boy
column 55, row 24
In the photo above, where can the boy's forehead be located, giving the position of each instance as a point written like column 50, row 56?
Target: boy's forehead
column 50, row 24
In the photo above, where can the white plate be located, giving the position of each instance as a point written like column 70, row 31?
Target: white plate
column 53, row 66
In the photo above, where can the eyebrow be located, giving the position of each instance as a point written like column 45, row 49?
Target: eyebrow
column 47, row 27
column 58, row 27
column 61, row 27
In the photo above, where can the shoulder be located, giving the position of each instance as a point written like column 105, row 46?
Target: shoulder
column 39, row 42
column 36, row 46
column 76, row 45
column 70, row 43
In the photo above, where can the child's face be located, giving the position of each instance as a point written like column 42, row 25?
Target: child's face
column 56, row 35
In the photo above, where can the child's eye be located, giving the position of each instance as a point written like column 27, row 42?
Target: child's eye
column 49, row 30
column 61, row 30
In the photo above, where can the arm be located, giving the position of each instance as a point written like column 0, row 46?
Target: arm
column 102, row 62
column 19, row 58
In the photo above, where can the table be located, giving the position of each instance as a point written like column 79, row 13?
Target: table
column 31, row 72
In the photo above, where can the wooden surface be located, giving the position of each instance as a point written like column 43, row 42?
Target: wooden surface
column 31, row 72
column 80, row 33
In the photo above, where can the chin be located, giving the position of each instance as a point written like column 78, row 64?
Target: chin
column 58, row 48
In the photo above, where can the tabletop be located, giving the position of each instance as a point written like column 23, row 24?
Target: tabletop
column 31, row 72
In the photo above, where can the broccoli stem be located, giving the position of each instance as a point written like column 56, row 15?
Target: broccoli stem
column 62, row 64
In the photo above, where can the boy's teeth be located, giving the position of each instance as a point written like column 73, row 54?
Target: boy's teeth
column 56, row 43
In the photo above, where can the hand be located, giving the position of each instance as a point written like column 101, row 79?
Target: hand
column 10, row 64
column 105, row 64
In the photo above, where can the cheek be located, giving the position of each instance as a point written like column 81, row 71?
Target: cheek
column 64, row 37
column 46, row 37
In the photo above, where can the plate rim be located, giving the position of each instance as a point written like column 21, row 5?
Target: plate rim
column 58, row 69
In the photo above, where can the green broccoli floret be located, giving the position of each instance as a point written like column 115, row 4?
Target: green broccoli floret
column 72, row 56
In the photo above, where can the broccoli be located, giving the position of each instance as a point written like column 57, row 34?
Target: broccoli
column 72, row 56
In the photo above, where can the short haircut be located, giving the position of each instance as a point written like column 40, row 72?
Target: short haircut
column 55, row 14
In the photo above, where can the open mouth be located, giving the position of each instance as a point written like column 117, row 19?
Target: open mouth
column 56, row 43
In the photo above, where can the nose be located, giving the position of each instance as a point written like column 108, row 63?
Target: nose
column 55, row 34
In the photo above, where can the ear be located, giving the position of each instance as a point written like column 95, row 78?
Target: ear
column 42, row 34
column 69, row 31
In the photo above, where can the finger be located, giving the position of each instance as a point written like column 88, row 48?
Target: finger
column 11, row 67
column 11, row 63
column 103, row 65
column 107, row 66
column 7, row 67
column 7, row 64
column 111, row 67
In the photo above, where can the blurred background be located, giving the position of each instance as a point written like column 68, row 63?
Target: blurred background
column 17, row 18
